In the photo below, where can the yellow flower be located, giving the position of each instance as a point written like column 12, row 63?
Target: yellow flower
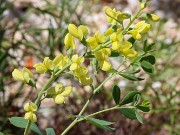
column 124, row 48
column 76, row 62
column 59, row 99
column 105, row 65
column 48, row 63
column 116, row 36
column 23, row 76
column 69, row 42
column 113, row 15
column 100, row 38
column 102, row 56
column 143, row 5
column 30, row 107
column 94, row 41
column 84, row 30
column 81, row 74
column 153, row 17
column 129, row 53
column 59, row 93
column 78, row 32
column 45, row 66
column 140, row 28
column 30, row 116
column 136, row 35
column 109, row 31
column 60, row 61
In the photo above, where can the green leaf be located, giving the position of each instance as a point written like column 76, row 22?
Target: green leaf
column 150, row 58
column 50, row 131
column 133, row 72
column 21, row 123
column 129, row 97
column 147, row 67
column 116, row 93
column 149, row 47
column 139, row 118
column 115, row 54
column 137, row 99
column 145, row 46
column 131, row 40
column 128, row 112
column 143, row 108
column 129, row 77
column 100, row 123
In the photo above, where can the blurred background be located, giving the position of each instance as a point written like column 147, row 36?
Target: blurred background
column 33, row 29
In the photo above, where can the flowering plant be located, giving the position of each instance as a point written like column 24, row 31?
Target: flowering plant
column 116, row 41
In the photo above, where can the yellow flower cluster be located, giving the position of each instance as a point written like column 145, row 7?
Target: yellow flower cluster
column 94, row 41
column 74, row 32
column 80, row 71
column 140, row 28
column 59, row 61
column 23, row 76
column 30, row 109
column 59, row 93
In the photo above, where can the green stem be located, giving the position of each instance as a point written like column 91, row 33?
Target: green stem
column 27, row 127
column 102, row 111
column 86, row 104
column 46, row 86
column 100, row 47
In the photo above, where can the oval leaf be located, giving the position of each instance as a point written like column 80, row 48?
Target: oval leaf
column 139, row 118
column 129, row 97
column 128, row 112
column 147, row 67
column 100, row 123
column 50, row 131
column 129, row 77
column 116, row 93
column 21, row 123
column 150, row 58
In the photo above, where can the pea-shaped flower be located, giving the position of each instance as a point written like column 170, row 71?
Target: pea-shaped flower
column 94, row 41
column 76, row 62
column 140, row 28
column 59, row 93
column 81, row 74
column 60, row 61
column 30, row 109
column 24, row 76
column 78, row 32
column 102, row 56
column 153, row 17
column 124, row 47
column 45, row 66
column 69, row 42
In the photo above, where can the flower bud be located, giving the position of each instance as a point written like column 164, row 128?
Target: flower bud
column 59, row 99
column 67, row 91
column 143, row 5
column 69, row 42
column 40, row 68
column 153, row 17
